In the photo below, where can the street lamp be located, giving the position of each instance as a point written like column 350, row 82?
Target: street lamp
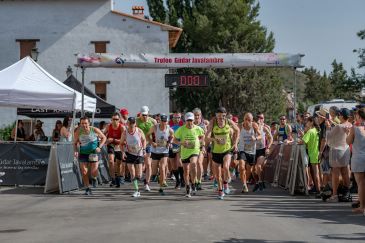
column 68, row 71
column 34, row 54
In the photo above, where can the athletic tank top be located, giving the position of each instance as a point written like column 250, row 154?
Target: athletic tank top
column 162, row 137
column 260, row 144
column 202, row 125
column 282, row 134
column 223, row 139
column 246, row 144
column 88, row 142
column 115, row 133
column 134, row 143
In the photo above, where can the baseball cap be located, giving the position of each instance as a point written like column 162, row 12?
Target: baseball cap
column 39, row 122
column 124, row 112
column 189, row 116
column 235, row 119
column 144, row 110
column 132, row 119
column 163, row 117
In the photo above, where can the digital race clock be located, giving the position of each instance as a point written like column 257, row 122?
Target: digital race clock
column 186, row 80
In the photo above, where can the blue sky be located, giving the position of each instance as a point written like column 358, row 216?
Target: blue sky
column 323, row 30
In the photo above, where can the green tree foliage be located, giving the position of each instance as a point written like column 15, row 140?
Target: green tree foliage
column 157, row 10
column 318, row 87
column 339, row 79
column 225, row 26
column 361, row 51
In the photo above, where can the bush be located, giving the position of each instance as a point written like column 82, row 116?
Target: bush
column 5, row 133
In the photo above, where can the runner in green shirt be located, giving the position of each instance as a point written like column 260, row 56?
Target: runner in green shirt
column 190, row 137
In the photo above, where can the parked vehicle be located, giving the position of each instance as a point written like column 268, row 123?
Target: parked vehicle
column 340, row 103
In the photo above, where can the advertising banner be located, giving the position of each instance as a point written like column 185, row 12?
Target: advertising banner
column 24, row 163
column 189, row 60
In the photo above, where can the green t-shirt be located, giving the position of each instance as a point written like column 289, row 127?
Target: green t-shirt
column 192, row 135
column 311, row 138
column 145, row 126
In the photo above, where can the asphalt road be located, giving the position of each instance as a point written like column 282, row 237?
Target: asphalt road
column 111, row 215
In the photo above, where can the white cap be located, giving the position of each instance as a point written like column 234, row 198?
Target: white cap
column 189, row 116
column 144, row 110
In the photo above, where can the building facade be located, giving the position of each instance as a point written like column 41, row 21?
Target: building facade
column 59, row 29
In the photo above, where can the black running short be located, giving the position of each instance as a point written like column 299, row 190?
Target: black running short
column 249, row 158
column 260, row 152
column 134, row 159
column 187, row 161
column 219, row 158
column 158, row 156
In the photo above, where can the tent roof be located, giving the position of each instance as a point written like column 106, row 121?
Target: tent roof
column 26, row 84
column 104, row 109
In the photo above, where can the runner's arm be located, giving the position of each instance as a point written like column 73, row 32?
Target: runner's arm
column 236, row 132
column 257, row 131
column 143, row 139
column 351, row 136
column 208, row 138
column 268, row 136
column 101, row 136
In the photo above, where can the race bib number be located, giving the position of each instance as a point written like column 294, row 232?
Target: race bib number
column 221, row 140
column 190, row 144
column 135, row 148
column 161, row 143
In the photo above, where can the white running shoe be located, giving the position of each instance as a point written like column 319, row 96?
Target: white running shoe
column 136, row 194
column 147, row 188
column 188, row 195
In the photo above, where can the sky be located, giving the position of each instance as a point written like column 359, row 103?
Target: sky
column 322, row 30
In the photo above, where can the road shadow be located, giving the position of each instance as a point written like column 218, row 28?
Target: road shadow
column 235, row 240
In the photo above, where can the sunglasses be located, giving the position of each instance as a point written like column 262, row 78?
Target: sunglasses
column 260, row 117
column 144, row 115
column 189, row 120
column 115, row 119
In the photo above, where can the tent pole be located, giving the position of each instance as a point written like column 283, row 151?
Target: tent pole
column 82, row 91
column 92, row 119
column 295, row 100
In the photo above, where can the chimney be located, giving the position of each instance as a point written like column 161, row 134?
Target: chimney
column 138, row 11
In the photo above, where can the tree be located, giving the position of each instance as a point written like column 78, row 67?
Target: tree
column 224, row 26
column 157, row 10
column 361, row 51
column 338, row 78
column 318, row 88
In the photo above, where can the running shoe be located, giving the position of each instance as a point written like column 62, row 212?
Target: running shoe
column 122, row 180
column 177, row 185
column 172, row 177
column 112, row 183
column 226, row 189
column 221, row 195
column 199, row 186
column 188, row 195
column 117, row 182
column 88, row 191
column 147, row 188
column 215, row 184
column 229, row 180
column 257, row 186
column 244, row 188
column 136, row 194
column 206, row 177
column 164, row 184
column 333, row 199
column 355, row 205
column 162, row 193
column 188, row 189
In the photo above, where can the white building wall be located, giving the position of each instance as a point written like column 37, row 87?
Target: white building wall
column 66, row 27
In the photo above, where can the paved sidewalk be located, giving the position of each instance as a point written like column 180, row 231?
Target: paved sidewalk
column 111, row 215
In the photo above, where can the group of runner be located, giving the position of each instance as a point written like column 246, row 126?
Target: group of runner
column 182, row 148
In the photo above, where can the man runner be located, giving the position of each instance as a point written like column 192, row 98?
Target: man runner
column 90, row 148
column 113, row 133
column 163, row 135
column 174, row 155
column 144, row 122
column 190, row 137
column 219, row 133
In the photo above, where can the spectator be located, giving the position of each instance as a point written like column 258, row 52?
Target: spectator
column 124, row 116
column 65, row 133
column 56, row 131
column 20, row 135
column 334, row 114
column 38, row 132
column 339, row 156
column 284, row 131
column 102, row 126
column 357, row 139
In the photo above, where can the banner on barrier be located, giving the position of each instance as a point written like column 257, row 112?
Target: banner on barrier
column 103, row 166
column 24, row 163
column 189, row 60
column 271, row 162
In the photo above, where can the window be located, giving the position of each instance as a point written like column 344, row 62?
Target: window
column 101, row 88
column 26, row 46
column 100, row 46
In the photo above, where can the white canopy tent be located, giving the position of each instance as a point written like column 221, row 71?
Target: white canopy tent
column 25, row 84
